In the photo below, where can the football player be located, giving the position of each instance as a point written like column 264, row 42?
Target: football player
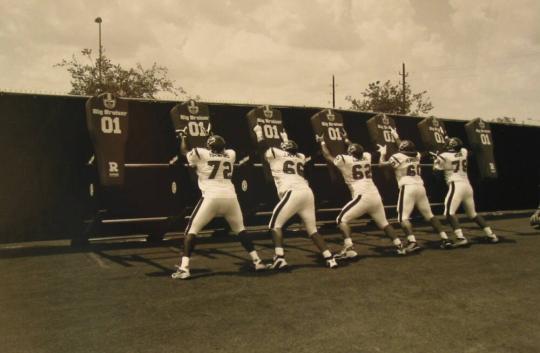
column 454, row 164
column 296, row 197
column 412, row 193
column 535, row 217
column 214, row 166
column 355, row 166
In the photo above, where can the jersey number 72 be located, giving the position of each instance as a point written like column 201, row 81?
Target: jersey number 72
column 227, row 169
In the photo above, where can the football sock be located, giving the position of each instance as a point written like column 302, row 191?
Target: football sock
column 397, row 242
column 254, row 256
column 459, row 233
column 348, row 242
column 488, row 232
column 280, row 252
column 246, row 241
column 326, row 254
column 185, row 262
column 411, row 238
column 189, row 244
column 443, row 235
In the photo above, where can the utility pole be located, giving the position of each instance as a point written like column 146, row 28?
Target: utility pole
column 333, row 92
column 403, row 75
column 98, row 21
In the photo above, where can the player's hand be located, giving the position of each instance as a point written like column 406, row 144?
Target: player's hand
column 173, row 160
column 381, row 149
column 182, row 133
column 394, row 133
column 209, row 130
column 344, row 134
column 433, row 155
column 258, row 132
column 284, row 136
column 319, row 138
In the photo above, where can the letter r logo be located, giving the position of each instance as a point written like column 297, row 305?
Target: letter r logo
column 113, row 167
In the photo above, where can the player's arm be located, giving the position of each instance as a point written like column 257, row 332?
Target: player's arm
column 439, row 162
column 257, row 129
column 324, row 149
column 395, row 135
column 183, row 144
column 263, row 144
column 272, row 153
column 345, row 137
column 382, row 152
column 392, row 161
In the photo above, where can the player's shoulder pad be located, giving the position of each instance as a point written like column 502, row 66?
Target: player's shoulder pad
column 202, row 152
column 398, row 157
column 270, row 153
column 367, row 156
column 230, row 153
column 339, row 159
column 443, row 155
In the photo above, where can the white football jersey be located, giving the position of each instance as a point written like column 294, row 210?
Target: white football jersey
column 214, row 171
column 407, row 168
column 356, row 173
column 287, row 169
column 454, row 165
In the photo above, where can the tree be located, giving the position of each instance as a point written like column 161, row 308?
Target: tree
column 505, row 120
column 388, row 98
column 135, row 82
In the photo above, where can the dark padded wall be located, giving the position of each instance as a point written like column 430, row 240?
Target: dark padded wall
column 44, row 147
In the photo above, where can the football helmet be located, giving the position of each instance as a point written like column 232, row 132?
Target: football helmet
column 407, row 146
column 454, row 144
column 215, row 143
column 289, row 146
column 356, row 150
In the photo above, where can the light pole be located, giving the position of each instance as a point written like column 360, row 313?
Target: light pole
column 98, row 21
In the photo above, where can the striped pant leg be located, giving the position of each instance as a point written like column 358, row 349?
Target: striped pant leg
column 400, row 204
column 422, row 202
column 468, row 200
column 452, row 200
column 307, row 212
column 377, row 212
column 347, row 209
column 232, row 213
column 205, row 210
column 276, row 221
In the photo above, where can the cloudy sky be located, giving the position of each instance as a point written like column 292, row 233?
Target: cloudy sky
column 475, row 58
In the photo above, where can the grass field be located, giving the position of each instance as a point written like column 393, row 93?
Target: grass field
column 119, row 298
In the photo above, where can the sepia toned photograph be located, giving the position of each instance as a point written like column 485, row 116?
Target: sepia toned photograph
column 270, row 176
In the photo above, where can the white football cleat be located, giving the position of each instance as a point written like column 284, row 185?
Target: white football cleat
column 258, row 265
column 331, row 262
column 461, row 242
column 181, row 273
column 346, row 253
column 490, row 239
column 412, row 246
column 278, row 263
